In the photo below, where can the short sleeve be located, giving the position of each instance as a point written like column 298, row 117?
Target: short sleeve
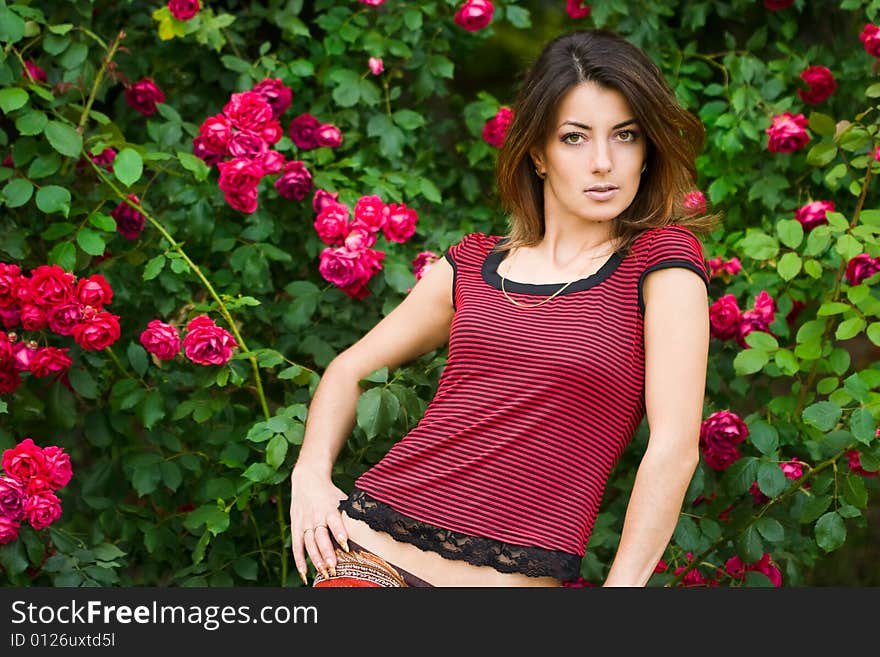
column 467, row 253
column 673, row 246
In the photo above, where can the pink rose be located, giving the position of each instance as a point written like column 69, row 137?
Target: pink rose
column 215, row 133
column 422, row 263
column 248, row 110
column 359, row 239
column 768, row 568
column 97, row 332
column 22, row 354
column 328, row 135
column 161, row 339
column 11, row 499
column 276, row 94
column 578, row 583
column 42, row 509
column 58, row 466
column 32, row 317
column 94, row 291
column 183, row 10
column 9, row 276
column 376, row 65
column 34, row 72
column 776, row 5
column 11, row 317
column 6, row 354
column 10, row 379
column 820, row 82
column 495, row 128
column 129, row 222
column 814, row 213
column 321, row 199
column 302, row 131
column 400, row 222
column 861, row 267
column 870, row 38
column 24, row 461
column 202, row 150
column 474, row 15
column 724, row 317
column 247, row 144
column 369, row 211
column 332, row 224
column 787, row 133
column 853, row 458
column 64, row 317
column 350, row 270
column 576, row 9
column 105, row 158
column 206, row 343
column 49, row 360
column 238, row 179
column 373, row 3
column 50, row 285
column 143, row 96
column 295, row 182
column 272, row 132
column 695, row 202
column 792, row 469
column 8, row 530
column 719, row 435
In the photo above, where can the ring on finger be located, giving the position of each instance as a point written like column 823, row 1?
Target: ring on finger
column 324, row 526
column 307, row 530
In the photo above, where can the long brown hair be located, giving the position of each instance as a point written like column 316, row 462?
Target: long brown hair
column 675, row 136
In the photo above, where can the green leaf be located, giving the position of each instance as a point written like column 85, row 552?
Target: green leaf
column 17, row 192
column 855, row 492
column 822, row 124
column 258, row 472
column 832, row 308
column 11, row 26
column 64, row 138
column 408, row 119
column 687, row 534
column 90, row 241
column 814, row 507
column 863, row 425
column 12, row 556
column 430, row 191
column 873, row 333
column 194, row 165
column 823, row 415
column 759, row 246
column 153, row 267
column 152, row 409
column 762, row 340
column 821, row 154
column 128, row 166
column 31, row 123
column 789, row 266
column 377, row 409
column 749, row 545
column 54, row 198
column 763, row 436
column 103, row 222
column 830, row 531
column 215, row 519
column 138, row 358
column 63, row 254
column 771, row 479
column 770, row 529
column 850, row 328
column 740, row 476
column 749, row 361
column 146, row 478
column 12, row 98
column 791, row 232
column 82, row 382
column 276, row 451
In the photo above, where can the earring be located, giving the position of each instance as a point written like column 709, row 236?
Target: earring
column 539, row 174
column 644, row 166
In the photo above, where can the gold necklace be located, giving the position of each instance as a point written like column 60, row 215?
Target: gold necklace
column 543, row 301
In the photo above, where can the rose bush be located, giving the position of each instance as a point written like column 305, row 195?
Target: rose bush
column 251, row 189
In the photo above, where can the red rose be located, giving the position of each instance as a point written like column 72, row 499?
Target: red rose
column 853, row 458
column 214, row 134
column 320, row 200
column 183, row 10
column 32, row 317
column 97, row 332
column 724, row 317
column 814, row 213
column 400, row 222
column 238, row 180
column 8, row 530
column 202, row 150
column 9, row 276
column 64, row 317
column 161, row 339
column 24, row 461
column 105, row 158
column 57, row 466
column 422, row 263
column 861, row 267
column 332, row 224
column 369, row 211
column 328, row 135
column 302, row 131
column 94, row 291
column 474, row 15
column 495, row 128
column 270, row 161
column 48, row 360
column 34, row 72
column 870, row 38
column 129, row 222
column 50, row 285
column 350, row 270
column 576, row 9
column 42, row 509
column 10, row 379
column 143, row 96
column 776, row 5
column 695, row 202
column 23, row 352
column 248, row 110
column 359, row 239
column 276, row 94
column 206, row 343
column 272, row 132
column 719, row 435
column 787, row 133
column 11, row 499
column 295, row 182
column 245, row 143
column 820, row 82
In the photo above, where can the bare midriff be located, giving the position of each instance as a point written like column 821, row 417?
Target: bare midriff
column 432, row 567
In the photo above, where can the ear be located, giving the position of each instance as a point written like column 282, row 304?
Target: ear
column 537, row 158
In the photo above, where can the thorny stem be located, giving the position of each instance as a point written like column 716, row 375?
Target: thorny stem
column 98, row 79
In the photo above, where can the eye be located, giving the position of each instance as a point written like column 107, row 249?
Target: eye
column 628, row 135
column 566, row 138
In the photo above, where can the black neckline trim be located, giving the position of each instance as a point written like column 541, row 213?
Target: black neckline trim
column 490, row 274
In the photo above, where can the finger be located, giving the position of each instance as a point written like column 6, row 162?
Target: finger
column 337, row 528
column 325, row 546
column 313, row 551
column 299, row 557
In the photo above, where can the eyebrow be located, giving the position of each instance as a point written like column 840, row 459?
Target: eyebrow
column 586, row 127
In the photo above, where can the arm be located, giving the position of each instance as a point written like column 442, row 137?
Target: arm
column 676, row 355
column 419, row 324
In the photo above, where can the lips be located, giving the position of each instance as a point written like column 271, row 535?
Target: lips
column 602, row 192
column 604, row 187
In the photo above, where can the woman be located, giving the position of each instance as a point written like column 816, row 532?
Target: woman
column 590, row 315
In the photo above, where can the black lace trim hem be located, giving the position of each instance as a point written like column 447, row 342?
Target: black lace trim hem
column 476, row 550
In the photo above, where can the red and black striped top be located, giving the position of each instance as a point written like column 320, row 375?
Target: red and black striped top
column 534, row 406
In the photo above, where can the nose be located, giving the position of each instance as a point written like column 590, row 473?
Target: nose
column 601, row 156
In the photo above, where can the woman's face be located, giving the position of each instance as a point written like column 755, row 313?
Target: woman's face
column 594, row 156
